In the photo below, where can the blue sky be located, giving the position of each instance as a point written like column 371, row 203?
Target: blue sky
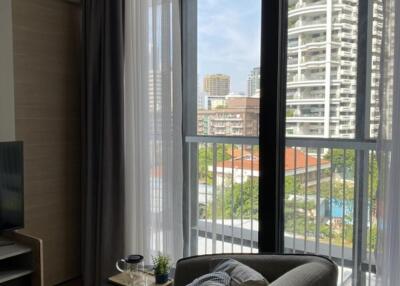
column 229, row 39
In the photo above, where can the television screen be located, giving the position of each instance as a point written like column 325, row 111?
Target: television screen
column 11, row 186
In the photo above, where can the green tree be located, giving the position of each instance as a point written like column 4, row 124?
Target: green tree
column 241, row 201
column 342, row 161
column 206, row 156
column 338, row 162
column 291, row 188
column 290, row 112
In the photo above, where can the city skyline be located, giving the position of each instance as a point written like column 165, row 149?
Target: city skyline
column 229, row 34
column 252, row 83
column 321, row 67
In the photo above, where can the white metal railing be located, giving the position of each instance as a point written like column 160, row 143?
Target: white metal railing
column 226, row 175
column 328, row 226
column 321, row 198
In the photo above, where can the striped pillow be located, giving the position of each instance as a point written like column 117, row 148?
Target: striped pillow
column 212, row 279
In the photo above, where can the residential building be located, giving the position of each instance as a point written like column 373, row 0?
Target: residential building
column 253, row 83
column 201, row 95
column 322, row 68
column 216, row 88
column 217, row 84
column 244, row 165
column 238, row 117
column 154, row 89
column 374, row 80
column 215, row 102
column 202, row 100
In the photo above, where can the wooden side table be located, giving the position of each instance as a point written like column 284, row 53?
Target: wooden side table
column 123, row 279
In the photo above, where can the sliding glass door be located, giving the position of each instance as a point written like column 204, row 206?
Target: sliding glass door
column 281, row 113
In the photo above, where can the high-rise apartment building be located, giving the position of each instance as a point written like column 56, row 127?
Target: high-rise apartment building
column 201, row 95
column 201, row 99
column 154, row 91
column 253, row 83
column 217, row 84
column 216, row 87
column 374, row 81
column 322, row 68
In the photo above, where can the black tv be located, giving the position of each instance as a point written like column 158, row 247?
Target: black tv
column 11, row 186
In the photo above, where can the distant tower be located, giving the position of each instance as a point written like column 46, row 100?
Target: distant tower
column 216, row 87
column 253, row 83
column 217, row 84
column 201, row 96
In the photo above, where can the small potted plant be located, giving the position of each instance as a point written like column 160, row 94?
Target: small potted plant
column 161, row 268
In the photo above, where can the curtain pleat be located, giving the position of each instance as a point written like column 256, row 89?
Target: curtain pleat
column 103, row 141
column 153, row 128
column 388, row 198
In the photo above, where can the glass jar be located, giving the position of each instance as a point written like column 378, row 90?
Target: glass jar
column 133, row 268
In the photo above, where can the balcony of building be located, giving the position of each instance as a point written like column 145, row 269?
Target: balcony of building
column 316, row 27
column 310, row 6
column 347, row 5
column 296, row 115
column 305, row 95
column 313, row 38
column 294, row 47
column 305, row 22
column 309, row 75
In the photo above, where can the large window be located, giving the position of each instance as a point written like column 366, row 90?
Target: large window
column 225, row 143
column 331, row 114
column 331, row 117
column 228, row 67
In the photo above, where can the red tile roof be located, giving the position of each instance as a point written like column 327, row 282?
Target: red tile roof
column 289, row 160
column 301, row 157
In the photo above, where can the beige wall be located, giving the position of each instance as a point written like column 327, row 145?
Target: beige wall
column 47, row 119
column 7, row 117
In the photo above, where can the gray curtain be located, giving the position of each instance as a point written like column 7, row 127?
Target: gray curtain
column 102, row 133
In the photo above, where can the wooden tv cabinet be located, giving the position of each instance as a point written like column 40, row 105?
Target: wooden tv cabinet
column 20, row 260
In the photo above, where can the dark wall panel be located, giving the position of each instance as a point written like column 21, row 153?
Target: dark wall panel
column 47, row 114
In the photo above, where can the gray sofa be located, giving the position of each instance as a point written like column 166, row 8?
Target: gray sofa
column 279, row 270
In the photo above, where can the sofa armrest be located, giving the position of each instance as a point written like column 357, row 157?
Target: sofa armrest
column 309, row 274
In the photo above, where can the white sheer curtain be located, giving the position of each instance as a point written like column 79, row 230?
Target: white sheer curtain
column 153, row 123
column 388, row 206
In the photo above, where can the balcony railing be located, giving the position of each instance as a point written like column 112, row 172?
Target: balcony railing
column 224, row 175
column 334, row 215
column 305, row 23
column 330, row 203
column 306, row 77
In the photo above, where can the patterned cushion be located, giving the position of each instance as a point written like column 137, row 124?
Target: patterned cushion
column 212, row 279
column 240, row 274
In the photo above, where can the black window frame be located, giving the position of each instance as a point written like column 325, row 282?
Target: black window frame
column 272, row 133
column 272, row 126
column 272, row 119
